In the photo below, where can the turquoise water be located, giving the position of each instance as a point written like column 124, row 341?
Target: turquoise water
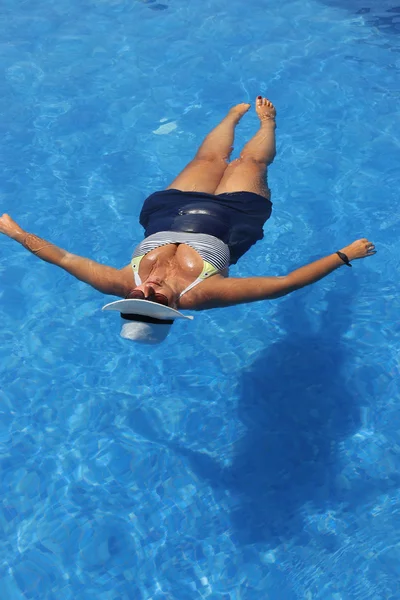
column 256, row 453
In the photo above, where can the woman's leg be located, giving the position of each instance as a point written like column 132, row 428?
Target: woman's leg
column 248, row 173
column 205, row 171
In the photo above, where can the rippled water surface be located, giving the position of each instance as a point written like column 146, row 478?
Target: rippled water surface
column 256, row 453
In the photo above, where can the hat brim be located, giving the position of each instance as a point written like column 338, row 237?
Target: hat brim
column 146, row 308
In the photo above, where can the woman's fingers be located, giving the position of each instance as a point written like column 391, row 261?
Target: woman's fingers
column 369, row 248
column 9, row 227
column 5, row 222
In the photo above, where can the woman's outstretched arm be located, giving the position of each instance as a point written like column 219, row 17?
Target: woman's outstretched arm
column 226, row 292
column 104, row 279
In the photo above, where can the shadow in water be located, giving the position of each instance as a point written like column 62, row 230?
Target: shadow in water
column 296, row 408
column 382, row 14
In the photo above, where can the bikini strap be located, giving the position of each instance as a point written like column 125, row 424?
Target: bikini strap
column 135, row 264
column 208, row 270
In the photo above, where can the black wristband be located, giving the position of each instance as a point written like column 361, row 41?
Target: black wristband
column 344, row 258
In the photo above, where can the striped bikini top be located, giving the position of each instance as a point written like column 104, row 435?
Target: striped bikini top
column 214, row 252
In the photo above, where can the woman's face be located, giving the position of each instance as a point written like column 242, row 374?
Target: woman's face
column 155, row 290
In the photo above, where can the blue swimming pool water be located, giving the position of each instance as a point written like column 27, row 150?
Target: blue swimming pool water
column 256, row 453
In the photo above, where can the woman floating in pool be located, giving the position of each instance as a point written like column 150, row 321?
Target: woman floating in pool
column 210, row 215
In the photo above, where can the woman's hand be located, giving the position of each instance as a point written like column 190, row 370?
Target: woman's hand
column 10, row 228
column 359, row 249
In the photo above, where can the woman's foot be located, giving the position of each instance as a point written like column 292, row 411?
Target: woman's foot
column 238, row 111
column 265, row 109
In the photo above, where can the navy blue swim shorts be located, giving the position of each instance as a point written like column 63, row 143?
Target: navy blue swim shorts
column 236, row 218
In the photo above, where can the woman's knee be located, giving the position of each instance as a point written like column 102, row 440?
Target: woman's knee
column 247, row 164
column 211, row 157
column 250, row 161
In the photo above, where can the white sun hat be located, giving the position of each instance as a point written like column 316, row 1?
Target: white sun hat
column 145, row 321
